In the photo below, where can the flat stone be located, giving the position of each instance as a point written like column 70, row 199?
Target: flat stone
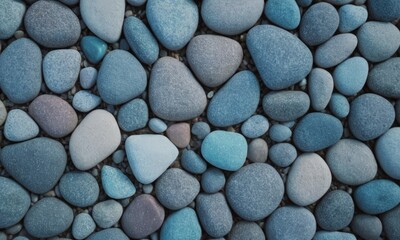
column 133, row 115
column 182, row 224
column 391, row 223
column 367, row 226
column 85, row 101
column 192, row 162
column 386, row 11
column 83, row 226
column 285, row 14
column 115, row 183
column 339, row 105
column 282, row 154
column 383, row 78
column 386, row 149
column 284, row 106
column 20, row 126
column 11, row 17
column 179, row 134
column 279, row 133
column 212, row 180
column 79, row 189
column 87, row 77
column 325, row 235
column 246, row 230
column 257, row 150
column 351, row 17
column 107, row 213
column 320, row 88
column 109, row 234
column 350, row 76
column 94, row 48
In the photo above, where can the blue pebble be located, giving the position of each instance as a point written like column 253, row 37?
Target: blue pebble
column 11, row 17
column 282, row 154
column 201, row 129
column 133, row 115
column 339, row 2
column 212, row 180
column 350, row 76
column 118, row 156
column 182, row 224
column 83, row 226
column 87, row 77
column 115, row 184
column 284, row 13
column 320, row 88
column 339, row 105
column 123, row 44
column 136, row 3
column 255, row 126
column 367, row 226
column 192, row 162
column 286, row 106
column 20, row 126
column 324, row 235
column 85, row 101
column 246, row 230
column 391, row 223
column 384, row 10
column 79, row 188
column 387, row 150
column 279, row 133
column 304, row 3
column 94, row 48
column 384, row 78
column 109, row 234
column 141, row 40
column 157, row 125
column 351, row 17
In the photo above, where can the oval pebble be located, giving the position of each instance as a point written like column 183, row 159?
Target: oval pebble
column 339, row 105
column 391, row 224
column 192, row 162
column 83, row 226
column 255, row 126
column 182, row 224
column 285, row 14
column 282, row 154
column 279, row 133
column 325, row 235
column 350, row 76
column 107, row 213
column 257, row 150
column 109, row 234
column 387, row 148
column 246, row 230
column 79, row 189
column 87, row 77
column 385, row 11
column 11, row 17
column 20, row 126
column 116, row 184
column 85, row 101
column 133, row 115
column 200, row 129
column 383, row 78
column 212, row 180
column 351, row 17
column 366, row 226
column 320, row 88
column 157, row 125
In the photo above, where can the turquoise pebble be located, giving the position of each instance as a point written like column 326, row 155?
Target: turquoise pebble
column 94, row 48
column 20, row 126
column 192, row 162
column 116, row 184
column 339, row 105
column 157, row 125
column 87, row 77
column 83, row 226
column 85, row 101
column 351, row 17
column 284, row 13
column 279, row 133
column 387, row 150
column 182, row 224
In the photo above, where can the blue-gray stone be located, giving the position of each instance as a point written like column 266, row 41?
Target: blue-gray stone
column 38, row 172
column 350, row 76
column 246, row 231
column 384, row 10
column 85, row 101
column 83, row 226
column 141, row 40
column 370, row 116
column 174, row 22
column 136, row 3
column 48, row 217
column 70, row 2
column 282, row 154
column 391, row 223
column 20, row 126
column 21, row 71
column 212, row 180
column 320, row 88
column 115, row 183
column 255, row 126
column 281, row 58
column 182, row 224
column 367, row 226
column 338, row 2
column 118, row 156
column 157, row 125
column 109, row 234
column 121, row 77
column 378, row 41
column 387, row 148
column 257, row 150
column 11, row 17
column 325, row 235
column 87, row 77
column 107, row 213
column 133, row 115
column 52, row 24
column 304, row 3
column 279, row 133
column 79, row 189
column 351, row 17
column 384, row 78
column 252, row 185
column 192, row 162
column 339, row 105
column 284, row 106
column 200, row 129
column 284, row 13
column 290, row 222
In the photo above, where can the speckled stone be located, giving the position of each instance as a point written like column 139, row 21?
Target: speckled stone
column 182, row 224
column 157, row 125
column 351, row 17
column 179, row 134
column 367, row 226
column 282, row 154
column 350, row 76
column 386, row 11
column 339, row 105
column 246, row 231
column 109, row 234
column 285, row 14
column 386, row 150
column 255, row 126
column 384, row 78
column 391, row 224
column 83, row 226
column 212, row 180
column 200, row 129
column 257, row 150
column 325, row 235
column 79, row 189
column 85, row 101
column 133, row 115
column 87, row 77
column 107, row 213
column 320, row 88
column 192, row 162
column 11, row 17
column 115, row 183
column 279, row 133
column 20, row 126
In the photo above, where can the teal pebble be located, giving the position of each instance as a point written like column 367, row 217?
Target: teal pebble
column 350, row 76
column 133, row 115
column 87, row 77
column 212, row 180
column 279, row 133
column 20, row 126
column 192, row 162
column 282, row 154
column 83, row 226
column 339, row 105
column 387, row 150
column 116, row 184
column 284, row 13
column 85, row 101
column 157, row 125
column 181, row 225
column 94, row 48
column 255, row 126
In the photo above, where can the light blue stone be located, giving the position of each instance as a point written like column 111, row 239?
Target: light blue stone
column 282, row 154
column 118, row 156
column 279, row 133
column 350, row 76
column 387, row 150
column 174, row 22
column 212, row 180
column 157, row 125
column 255, row 126
column 339, row 105
column 324, row 235
column 351, row 17
column 236, row 101
column 87, row 77
column 133, row 115
column 284, row 13
column 11, row 17
column 20, row 126
column 136, row 3
column 201, row 129
column 192, row 162
column 384, row 78
column 85, row 101
column 286, row 106
column 181, row 225
column 83, row 226
column 320, row 88
column 79, row 189
column 94, row 48
column 225, row 150
column 141, row 40
column 386, row 11
column 116, row 184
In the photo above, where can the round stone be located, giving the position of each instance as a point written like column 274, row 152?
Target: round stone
column 320, row 88
column 350, row 76
column 387, row 148
column 115, row 183
column 367, row 226
column 192, row 162
column 20, row 126
column 85, row 101
column 79, row 188
column 118, row 156
column 279, row 133
column 282, row 154
column 83, row 226
column 257, row 150
column 200, row 129
column 11, row 17
column 212, row 180
column 182, row 224
column 351, row 17
column 133, row 115
column 87, row 77
column 255, row 126
column 107, row 213
column 285, row 14
column 339, row 105
column 179, row 134
column 383, row 79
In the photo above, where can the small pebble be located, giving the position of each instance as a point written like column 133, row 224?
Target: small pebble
column 85, row 101
column 179, row 134
column 339, row 105
column 20, row 126
column 107, row 213
column 116, row 184
column 200, row 130
column 212, row 180
column 282, row 154
column 255, row 126
column 257, row 150
column 192, row 162
column 79, row 188
column 94, row 48
column 157, row 125
column 133, row 115
column 366, row 226
column 279, row 133
column 83, row 226
column 118, row 156
column 87, row 77
column 182, row 224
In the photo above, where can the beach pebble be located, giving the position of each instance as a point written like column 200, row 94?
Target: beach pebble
column 212, row 180
column 384, row 78
column 391, row 224
column 83, row 226
column 366, row 226
column 85, row 101
column 325, row 235
column 182, row 224
column 3, row 113
column 109, row 234
column 192, row 162
column 200, row 129
column 11, row 17
column 94, row 48
column 79, row 189
column 107, row 213
column 282, row 154
column 157, row 125
column 385, row 11
column 133, row 115
column 320, row 88
column 279, row 133
column 246, row 230
column 20, row 126
column 118, row 156
column 257, row 150
column 179, row 134
column 387, row 148
column 255, row 126
column 115, row 183
column 350, row 76
column 87, row 77
column 351, row 17
column 285, row 14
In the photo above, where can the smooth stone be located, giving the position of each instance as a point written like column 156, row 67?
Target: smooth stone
column 157, row 125
column 20, row 126
column 133, row 115
column 282, row 154
column 281, row 58
column 335, row 50
column 15, row 202
column 320, row 88
column 213, row 59
column 317, row 131
column 182, row 224
column 351, row 17
column 149, row 156
column 377, row 196
column 107, row 213
column 370, row 116
column 48, row 217
column 366, row 226
column 378, row 41
column 384, row 78
column 52, row 24
column 391, row 224
column 85, row 101
column 387, row 148
column 339, row 2
column 103, row 18
column 192, row 162
column 200, row 129
column 21, row 71
column 214, row 214
column 136, row 3
column 285, row 14
column 279, row 133
column 236, row 101
column 246, row 231
column 37, row 172
column 174, row 93
column 79, row 189
column 225, row 150
column 70, row 2
column 83, row 226
column 141, row 40
column 173, row 22
column 3, row 113
column 284, row 106
column 350, row 76
column 87, row 77
column 89, row 135
column 257, row 150
column 212, row 180
column 325, row 235
column 118, row 156
column 229, row 17
column 54, row 115
column 143, row 216
column 116, row 184
column 318, row 24
column 254, row 184
column 179, row 134
column 11, row 17
column 255, row 126
column 94, row 48
column 308, row 180
column 121, row 78
column 351, row 162
column 386, row 11
column 147, row 188
column 109, row 234
column 290, row 222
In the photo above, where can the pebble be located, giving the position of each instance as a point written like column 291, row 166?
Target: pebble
column 325, row 235
column 378, row 41
column 282, row 154
column 87, row 77
column 143, row 216
column 116, row 184
column 14, row 229
column 214, row 214
column 90, row 134
column 149, row 156
column 351, row 162
column 3, row 113
column 217, row 15
column 370, row 116
column 246, row 230
column 351, row 17
column 20, row 126
column 107, row 213
column 391, row 224
column 15, row 202
column 255, row 126
column 386, row 150
column 11, row 17
column 52, row 24
column 318, row 24
column 257, row 150
column 136, row 3
column 48, row 217
column 94, row 48
column 383, row 78
column 174, row 93
column 254, row 184
column 279, row 133
column 21, row 71
column 386, row 11
column 317, row 131
column 308, row 180
column 173, row 22
column 179, row 134
column 182, row 224
column 133, row 115
column 109, row 234
column 200, row 129
column 147, row 188
column 285, row 14
column 281, row 58
column 212, row 180
column 320, row 88
column 213, row 59
column 70, row 2
column 290, row 222
column 54, row 115
column 103, row 18
column 38, row 172
column 285, row 106
column 141, row 40
column 79, row 189
column 225, row 150
column 339, row 2
column 350, row 76
column 335, row 50
column 157, row 125
column 192, row 162
column 366, row 226
column 85, row 101
column 377, row 196
column 119, row 70
column 83, row 226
